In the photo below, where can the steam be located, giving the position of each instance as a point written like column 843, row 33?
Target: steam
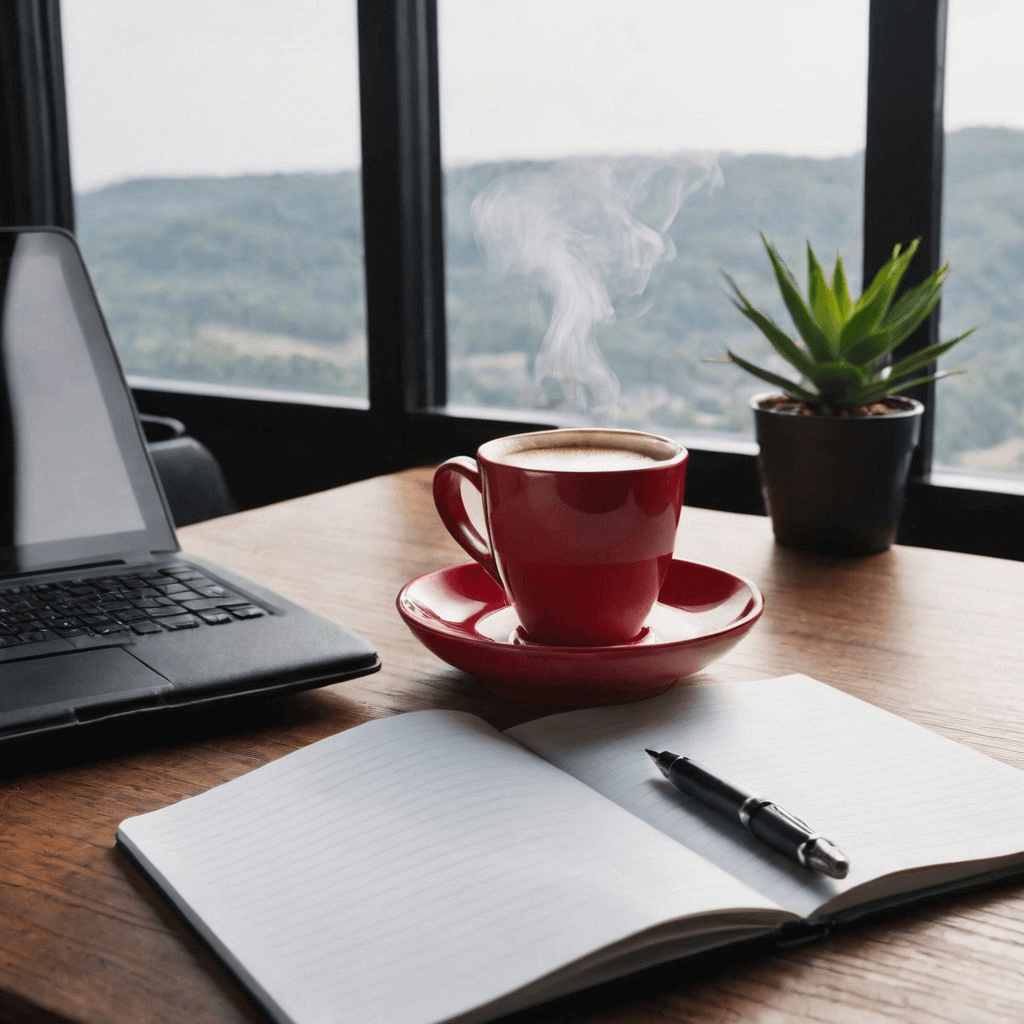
column 590, row 231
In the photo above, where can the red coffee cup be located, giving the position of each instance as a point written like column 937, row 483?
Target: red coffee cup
column 581, row 527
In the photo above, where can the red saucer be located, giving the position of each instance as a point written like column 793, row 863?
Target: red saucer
column 461, row 615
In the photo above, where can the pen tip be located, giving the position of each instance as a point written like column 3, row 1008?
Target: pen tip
column 827, row 858
column 653, row 753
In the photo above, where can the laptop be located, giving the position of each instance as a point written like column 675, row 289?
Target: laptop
column 101, row 615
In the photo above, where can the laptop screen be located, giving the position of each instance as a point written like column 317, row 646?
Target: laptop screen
column 76, row 485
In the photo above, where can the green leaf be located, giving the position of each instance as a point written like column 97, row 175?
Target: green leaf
column 916, row 360
column 913, row 308
column 880, row 389
column 873, row 304
column 792, row 389
column 811, row 333
column 864, row 320
column 868, row 350
column 824, row 306
column 899, row 377
column 841, row 289
column 891, row 272
column 780, row 341
column 835, row 380
column 877, row 282
column 938, row 375
column 912, row 296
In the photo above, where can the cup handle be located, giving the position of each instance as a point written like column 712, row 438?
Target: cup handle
column 452, row 509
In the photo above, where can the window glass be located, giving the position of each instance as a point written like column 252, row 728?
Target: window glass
column 979, row 426
column 605, row 161
column 215, row 159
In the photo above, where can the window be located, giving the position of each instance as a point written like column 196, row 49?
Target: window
column 215, row 154
column 408, row 416
column 980, row 415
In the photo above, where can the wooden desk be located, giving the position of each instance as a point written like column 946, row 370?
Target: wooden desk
column 934, row 636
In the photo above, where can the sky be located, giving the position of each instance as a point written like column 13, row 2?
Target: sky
column 222, row 87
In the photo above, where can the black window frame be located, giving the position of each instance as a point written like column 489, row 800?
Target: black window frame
column 275, row 446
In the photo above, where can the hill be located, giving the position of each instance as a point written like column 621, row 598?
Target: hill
column 259, row 280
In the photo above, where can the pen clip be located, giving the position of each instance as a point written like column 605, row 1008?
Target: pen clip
column 792, row 818
column 753, row 804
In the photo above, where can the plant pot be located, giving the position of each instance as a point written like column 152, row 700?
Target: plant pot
column 836, row 483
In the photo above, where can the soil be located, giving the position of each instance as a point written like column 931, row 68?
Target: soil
column 882, row 407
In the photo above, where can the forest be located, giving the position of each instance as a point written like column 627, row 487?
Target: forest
column 585, row 285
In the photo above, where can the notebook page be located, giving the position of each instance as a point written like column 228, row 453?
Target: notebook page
column 414, row 868
column 892, row 795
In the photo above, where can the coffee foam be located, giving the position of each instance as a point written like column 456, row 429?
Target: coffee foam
column 578, row 459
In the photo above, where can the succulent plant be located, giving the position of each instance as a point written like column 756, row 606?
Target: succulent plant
column 844, row 350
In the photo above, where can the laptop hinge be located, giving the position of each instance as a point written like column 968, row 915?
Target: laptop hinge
column 61, row 568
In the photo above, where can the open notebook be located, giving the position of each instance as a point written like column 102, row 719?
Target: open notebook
column 427, row 868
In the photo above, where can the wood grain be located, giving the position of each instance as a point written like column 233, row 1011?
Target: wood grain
column 934, row 636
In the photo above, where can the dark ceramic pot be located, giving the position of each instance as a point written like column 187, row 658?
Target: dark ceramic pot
column 836, row 484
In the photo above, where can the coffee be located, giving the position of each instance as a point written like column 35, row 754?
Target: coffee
column 573, row 459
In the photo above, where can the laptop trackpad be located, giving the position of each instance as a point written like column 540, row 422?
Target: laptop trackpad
column 83, row 685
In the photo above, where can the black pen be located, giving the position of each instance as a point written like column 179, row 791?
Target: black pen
column 766, row 821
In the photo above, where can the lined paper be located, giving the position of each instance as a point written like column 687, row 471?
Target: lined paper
column 892, row 795
column 413, row 869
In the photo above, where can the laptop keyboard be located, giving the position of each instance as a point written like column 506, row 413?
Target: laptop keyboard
column 109, row 609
